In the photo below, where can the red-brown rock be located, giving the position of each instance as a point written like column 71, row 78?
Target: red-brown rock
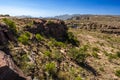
column 8, row 70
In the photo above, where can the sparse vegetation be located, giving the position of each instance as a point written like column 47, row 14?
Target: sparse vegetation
column 78, row 78
column 39, row 37
column 24, row 38
column 79, row 55
column 114, row 56
column 94, row 54
column 95, row 49
column 57, row 56
column 55, row 43
column 50, row 68
column 118, row 54
column 47, row 53
column 11, row 24
column 72, row 39
column 101, row 69
column 117, row 73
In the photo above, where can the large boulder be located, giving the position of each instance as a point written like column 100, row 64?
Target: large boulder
column 8, row 70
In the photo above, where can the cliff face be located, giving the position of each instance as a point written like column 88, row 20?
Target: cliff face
column 8, row 70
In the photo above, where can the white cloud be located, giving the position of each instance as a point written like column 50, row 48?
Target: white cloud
column 18, row 11
column 15, row 11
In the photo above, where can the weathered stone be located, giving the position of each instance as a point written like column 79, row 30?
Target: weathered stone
column 5, row 34
column 54, row 28
column 8, row 70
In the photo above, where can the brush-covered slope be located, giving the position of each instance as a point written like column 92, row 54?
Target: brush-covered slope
column 49, row 50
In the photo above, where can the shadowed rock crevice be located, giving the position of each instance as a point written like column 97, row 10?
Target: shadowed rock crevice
column 8, row 74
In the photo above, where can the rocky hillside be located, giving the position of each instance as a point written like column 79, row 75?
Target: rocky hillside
column 36, row 46
column 103, row 23
column 46, row 49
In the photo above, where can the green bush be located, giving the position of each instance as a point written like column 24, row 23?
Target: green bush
column 59, row 44
column 25, row 58
column 72, row 39
column 11, row 24
column 39, row 37
column 24, row 38
column 118, row 54
column 94, row 54
column 78, row 78
column 84, row 48
column 47, row 53
column 117, row 73
column 78, row 55
column 95, row 49
column 57, row 55
column 50, row 22
column 50, row 68
column 114, row 56
column 25, row 65
column 55, row 43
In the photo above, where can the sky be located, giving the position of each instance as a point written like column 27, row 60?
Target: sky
column 49, row 8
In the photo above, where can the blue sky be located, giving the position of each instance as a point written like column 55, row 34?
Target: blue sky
column 59, row 7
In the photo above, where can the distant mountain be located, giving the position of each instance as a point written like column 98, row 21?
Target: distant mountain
column 24, row 16
column 75, row 16
column 66, row 16
column 63, row 17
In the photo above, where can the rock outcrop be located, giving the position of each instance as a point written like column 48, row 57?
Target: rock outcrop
column 53, row 28
column 56, row 29
column 5, row 34
column 8, row 70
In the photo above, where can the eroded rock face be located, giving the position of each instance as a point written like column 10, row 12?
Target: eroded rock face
column 5, row 34
column 3, row 29
column 8, row 70
column 55, row 28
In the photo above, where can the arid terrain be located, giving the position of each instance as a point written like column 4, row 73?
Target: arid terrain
column 85, row 47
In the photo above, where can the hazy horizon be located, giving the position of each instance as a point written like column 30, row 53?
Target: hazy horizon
column 50, row 8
